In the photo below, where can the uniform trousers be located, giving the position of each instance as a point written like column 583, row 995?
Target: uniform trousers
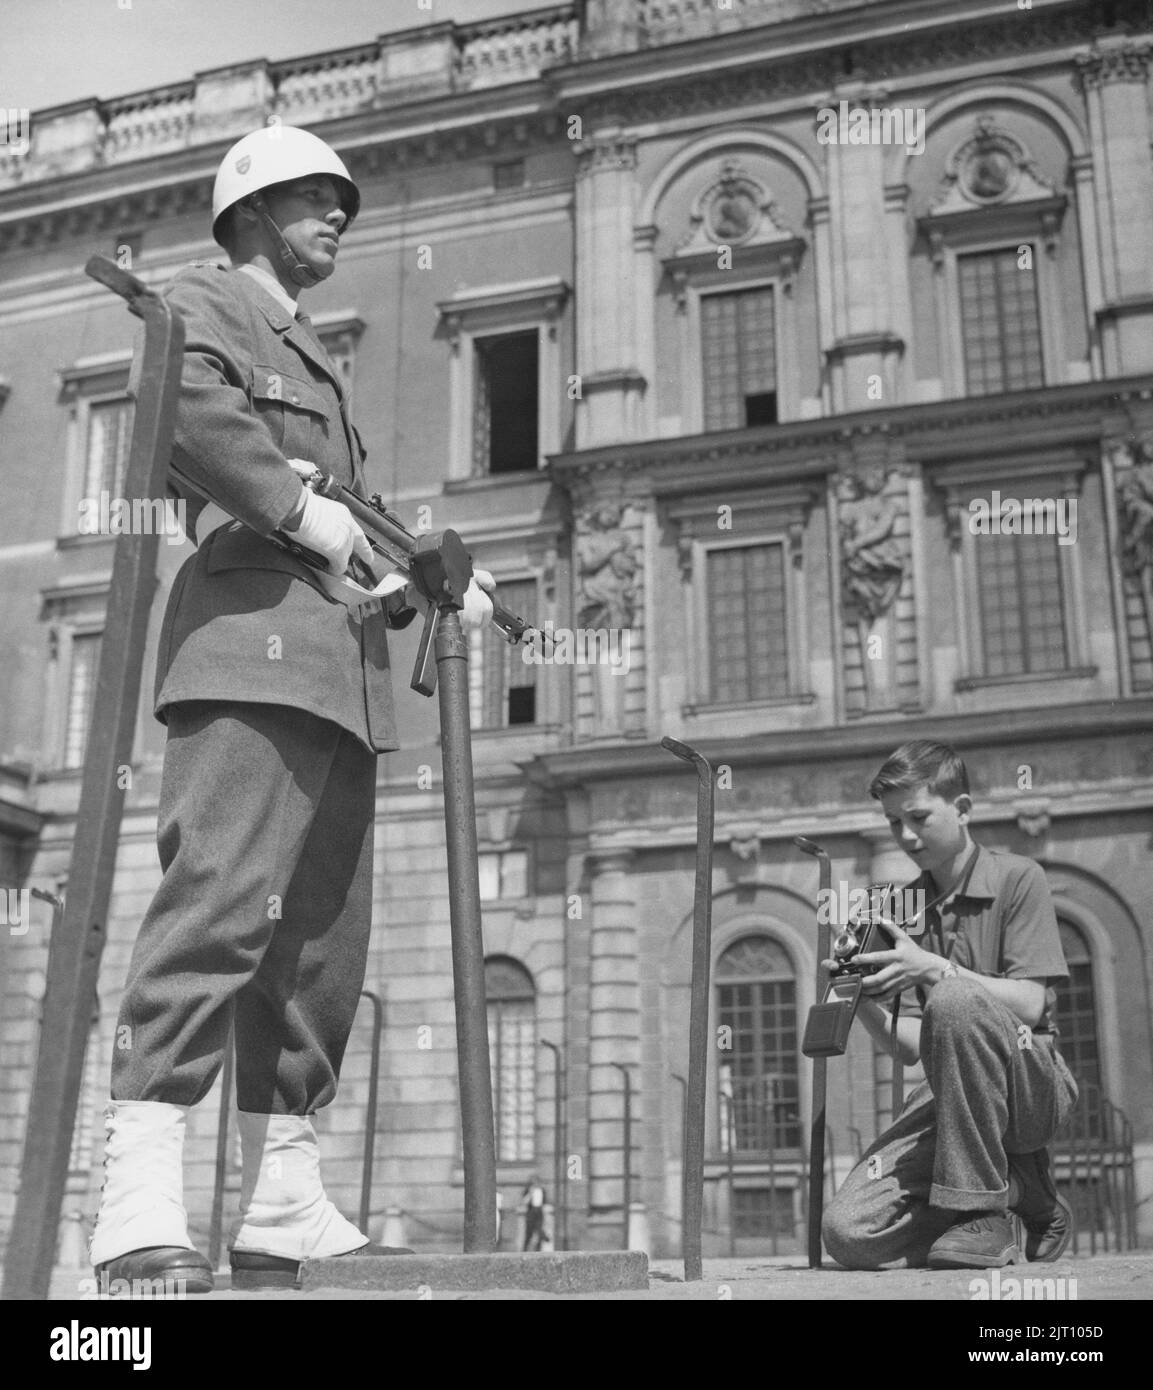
column 263, row 915
column 992, row 1087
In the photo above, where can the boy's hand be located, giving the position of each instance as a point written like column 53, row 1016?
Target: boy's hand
column 902, row 967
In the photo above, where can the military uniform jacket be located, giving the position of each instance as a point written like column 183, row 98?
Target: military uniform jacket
column 246, row 621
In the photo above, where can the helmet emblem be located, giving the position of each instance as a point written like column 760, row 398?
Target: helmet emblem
column 243, row 165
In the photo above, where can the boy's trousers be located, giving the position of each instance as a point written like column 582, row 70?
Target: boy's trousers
column 265, row 832
column 992, row 1087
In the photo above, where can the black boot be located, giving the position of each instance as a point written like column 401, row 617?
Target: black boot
column 166, row 1268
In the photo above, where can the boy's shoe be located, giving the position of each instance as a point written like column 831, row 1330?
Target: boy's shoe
column 976, row 1240
column 1046, row 1216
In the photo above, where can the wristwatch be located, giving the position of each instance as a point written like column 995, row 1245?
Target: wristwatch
column 950, row 971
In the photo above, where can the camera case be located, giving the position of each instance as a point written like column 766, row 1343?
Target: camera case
column 829, row 1022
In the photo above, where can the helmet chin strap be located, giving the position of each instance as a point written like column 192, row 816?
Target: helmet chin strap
column 298, row 273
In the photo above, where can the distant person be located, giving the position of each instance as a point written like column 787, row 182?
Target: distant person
column 532, row 1204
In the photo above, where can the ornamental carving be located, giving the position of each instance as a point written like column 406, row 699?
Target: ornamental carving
column 734, row 210
column 608, row 564
column 1124, row 62
column 989, row 168
column 872, row 556
column 1135, row 513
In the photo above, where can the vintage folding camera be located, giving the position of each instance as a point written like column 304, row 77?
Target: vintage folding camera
column 827, row 1027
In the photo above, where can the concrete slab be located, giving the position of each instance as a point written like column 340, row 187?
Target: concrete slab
column 569, row 1271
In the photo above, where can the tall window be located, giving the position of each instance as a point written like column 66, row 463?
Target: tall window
column 756, row 998
column 505, row 404
column 81, row 694
column 508, row 683
column 739, row 359
column 109, row 438
column 512, row 1050
column 747, row 623
column 1022, row 608
column 1077, row 1008
column 87, row 1106
column 1000, row 323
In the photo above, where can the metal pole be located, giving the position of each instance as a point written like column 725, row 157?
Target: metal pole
column 772, row 1080
column 478, row 1137
column 222, row 1126
column 820, row 1079
column 75, row 950
column 560, row 1193
column 684, row 1122
column 627, row 1146
column 370, row 1108
column 693, row 1176
column 731, row 1135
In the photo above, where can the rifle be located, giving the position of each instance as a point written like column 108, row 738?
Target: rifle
column 437, row 563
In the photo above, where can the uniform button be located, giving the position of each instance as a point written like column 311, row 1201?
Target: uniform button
column 296, row 400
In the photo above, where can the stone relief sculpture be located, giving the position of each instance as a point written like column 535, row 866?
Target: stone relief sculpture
column 872, row 557
column 607, row 568
column 1135, row 508
column 1135, row 514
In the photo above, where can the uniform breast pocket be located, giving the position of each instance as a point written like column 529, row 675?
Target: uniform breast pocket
column 292, row 408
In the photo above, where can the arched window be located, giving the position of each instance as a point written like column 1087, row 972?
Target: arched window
column 756, row 998
column 1077, row 1007
column 512, row 1048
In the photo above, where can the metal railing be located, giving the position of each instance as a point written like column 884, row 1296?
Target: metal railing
column 1092, row 1161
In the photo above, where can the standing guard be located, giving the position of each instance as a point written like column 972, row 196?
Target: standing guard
column 277, row 699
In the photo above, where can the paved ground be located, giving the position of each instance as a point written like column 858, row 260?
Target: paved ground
column 750, row 1278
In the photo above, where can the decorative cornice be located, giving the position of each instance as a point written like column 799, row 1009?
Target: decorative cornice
column 930, row 431
column 615, row 152
column 1113, row 61
column 956, row 40
column 626, row 761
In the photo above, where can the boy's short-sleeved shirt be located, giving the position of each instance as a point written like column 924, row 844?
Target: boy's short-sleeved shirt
column 1002, row 924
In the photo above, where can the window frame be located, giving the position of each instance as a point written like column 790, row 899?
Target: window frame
column 69, row 611
column 698, row 294
column 982, row 231
column 704, row 282
column 780, row 518
column 499, row 311
column 785, row 1152
column 88, row 382
column 530, row 999
column 477, row 656
column 1020, row 477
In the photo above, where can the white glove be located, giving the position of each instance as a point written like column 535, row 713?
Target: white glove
column 477, row 610
column 329, row 527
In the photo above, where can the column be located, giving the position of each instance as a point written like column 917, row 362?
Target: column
column 1112, row 77
column 611, row 383
column 614, row 1037
column 865, row 355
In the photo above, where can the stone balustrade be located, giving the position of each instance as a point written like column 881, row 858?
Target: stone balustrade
column 517, row 47
column 668, row 21
column 225, row 103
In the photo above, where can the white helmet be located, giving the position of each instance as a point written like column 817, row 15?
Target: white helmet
column 275, row 154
